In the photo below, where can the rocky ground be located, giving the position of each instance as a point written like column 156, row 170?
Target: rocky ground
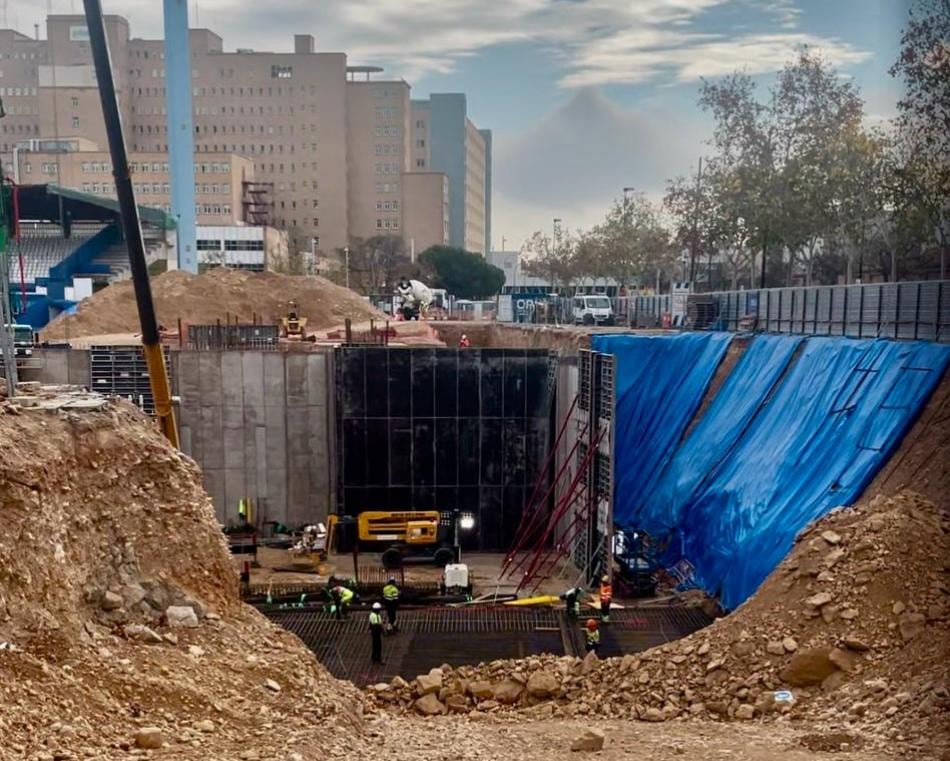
column 853, row 625
column 122, row 635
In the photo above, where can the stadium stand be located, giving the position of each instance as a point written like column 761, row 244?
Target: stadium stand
column 65, row 235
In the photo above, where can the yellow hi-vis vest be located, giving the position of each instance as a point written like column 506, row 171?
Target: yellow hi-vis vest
column 593, row 637
column 375, row 619
column 391, row 592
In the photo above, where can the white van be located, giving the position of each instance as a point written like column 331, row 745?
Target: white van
column 593, row 310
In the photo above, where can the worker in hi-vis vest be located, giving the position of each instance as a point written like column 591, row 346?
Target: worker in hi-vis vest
column 376, row 631
column 606, row 595
column 391, row 602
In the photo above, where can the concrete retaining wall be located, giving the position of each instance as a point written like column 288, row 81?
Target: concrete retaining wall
column 258, row 424
column 57, row 365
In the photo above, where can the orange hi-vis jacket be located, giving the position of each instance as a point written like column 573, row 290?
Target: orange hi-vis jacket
column 606, row 592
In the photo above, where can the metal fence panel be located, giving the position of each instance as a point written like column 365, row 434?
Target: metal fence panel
column 914, row 310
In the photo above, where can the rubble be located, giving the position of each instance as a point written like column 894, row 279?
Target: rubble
column 106, row 530
column 841, row 665
column 591, row 740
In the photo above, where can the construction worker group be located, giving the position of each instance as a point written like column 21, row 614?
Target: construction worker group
column 572, row 600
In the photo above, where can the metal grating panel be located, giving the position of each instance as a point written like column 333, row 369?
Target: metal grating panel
column 122, row 371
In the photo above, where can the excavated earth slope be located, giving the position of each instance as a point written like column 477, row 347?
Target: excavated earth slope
column 853, row 624
column 119, row 613
column 214, row 295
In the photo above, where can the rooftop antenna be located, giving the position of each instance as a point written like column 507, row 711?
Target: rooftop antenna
column 4, row 6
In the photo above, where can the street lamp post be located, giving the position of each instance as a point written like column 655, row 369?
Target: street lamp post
column 346, row 265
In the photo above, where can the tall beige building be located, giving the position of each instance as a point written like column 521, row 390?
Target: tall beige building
column 328, row 147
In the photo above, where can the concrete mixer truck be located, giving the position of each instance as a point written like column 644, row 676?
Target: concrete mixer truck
column 412, row 299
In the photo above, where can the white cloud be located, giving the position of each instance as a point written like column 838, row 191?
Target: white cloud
column 591, row 41
column 685, row 57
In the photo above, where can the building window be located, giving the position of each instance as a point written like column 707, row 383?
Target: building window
column 379, row 224
column 316, row 222
column 420, row 143
column 420, row 163
column 75, row 122
column 75, row 102
column 281, row 72
column 420, row 124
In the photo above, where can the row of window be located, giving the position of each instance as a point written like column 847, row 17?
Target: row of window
column 31, row 55
column 216, row 209
column 387, row 224
column 14, row 91
column 387, row 113
column 250, row 91
column 209, row 244
column 98, row 166
column 387, row 187
column 389, row 132
column 385, row 149
column 388, row 169
column 25, row 109
column 20, row 129
column 387, row 206
column 239, row 110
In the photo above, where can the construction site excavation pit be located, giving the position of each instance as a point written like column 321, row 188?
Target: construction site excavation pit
column 124, row 633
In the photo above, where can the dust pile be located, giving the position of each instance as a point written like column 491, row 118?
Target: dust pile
column 203, row 299
column 853, row 624
column 120, row 623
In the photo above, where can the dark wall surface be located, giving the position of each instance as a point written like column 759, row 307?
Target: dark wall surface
column 443, row 429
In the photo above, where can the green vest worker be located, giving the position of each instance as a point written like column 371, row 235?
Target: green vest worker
column 376, row 632
column 391, row 601
column 342, row 597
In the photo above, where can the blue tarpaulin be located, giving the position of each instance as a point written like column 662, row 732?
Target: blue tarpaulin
column 771, row 454
column 660, row 382
column 735, row 405
column 834, row 421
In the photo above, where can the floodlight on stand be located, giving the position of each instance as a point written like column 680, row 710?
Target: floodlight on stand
column 467, row 522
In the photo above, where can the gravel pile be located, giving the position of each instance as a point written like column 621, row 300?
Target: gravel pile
column 849, row 633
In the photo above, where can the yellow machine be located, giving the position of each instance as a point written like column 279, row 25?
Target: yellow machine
column 293, row 326
column 407, row 535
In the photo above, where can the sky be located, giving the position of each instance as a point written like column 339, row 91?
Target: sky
column 585, row 97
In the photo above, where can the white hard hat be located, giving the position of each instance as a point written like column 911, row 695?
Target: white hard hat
column 377, row 606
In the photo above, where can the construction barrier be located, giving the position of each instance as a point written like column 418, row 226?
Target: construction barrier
column 660, row 382
column 786, row 440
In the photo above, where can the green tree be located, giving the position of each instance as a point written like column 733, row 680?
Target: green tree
column 784, row 156
column 632, row 243
column 923, row 145
column 460, row 272
column 555, row 262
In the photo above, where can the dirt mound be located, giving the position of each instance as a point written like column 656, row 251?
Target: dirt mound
column 119, row 610
column 853, row 624
column 203, row 299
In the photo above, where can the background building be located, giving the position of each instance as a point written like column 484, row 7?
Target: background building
column 222, row 180
column 445, row 140
column 312, row 146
